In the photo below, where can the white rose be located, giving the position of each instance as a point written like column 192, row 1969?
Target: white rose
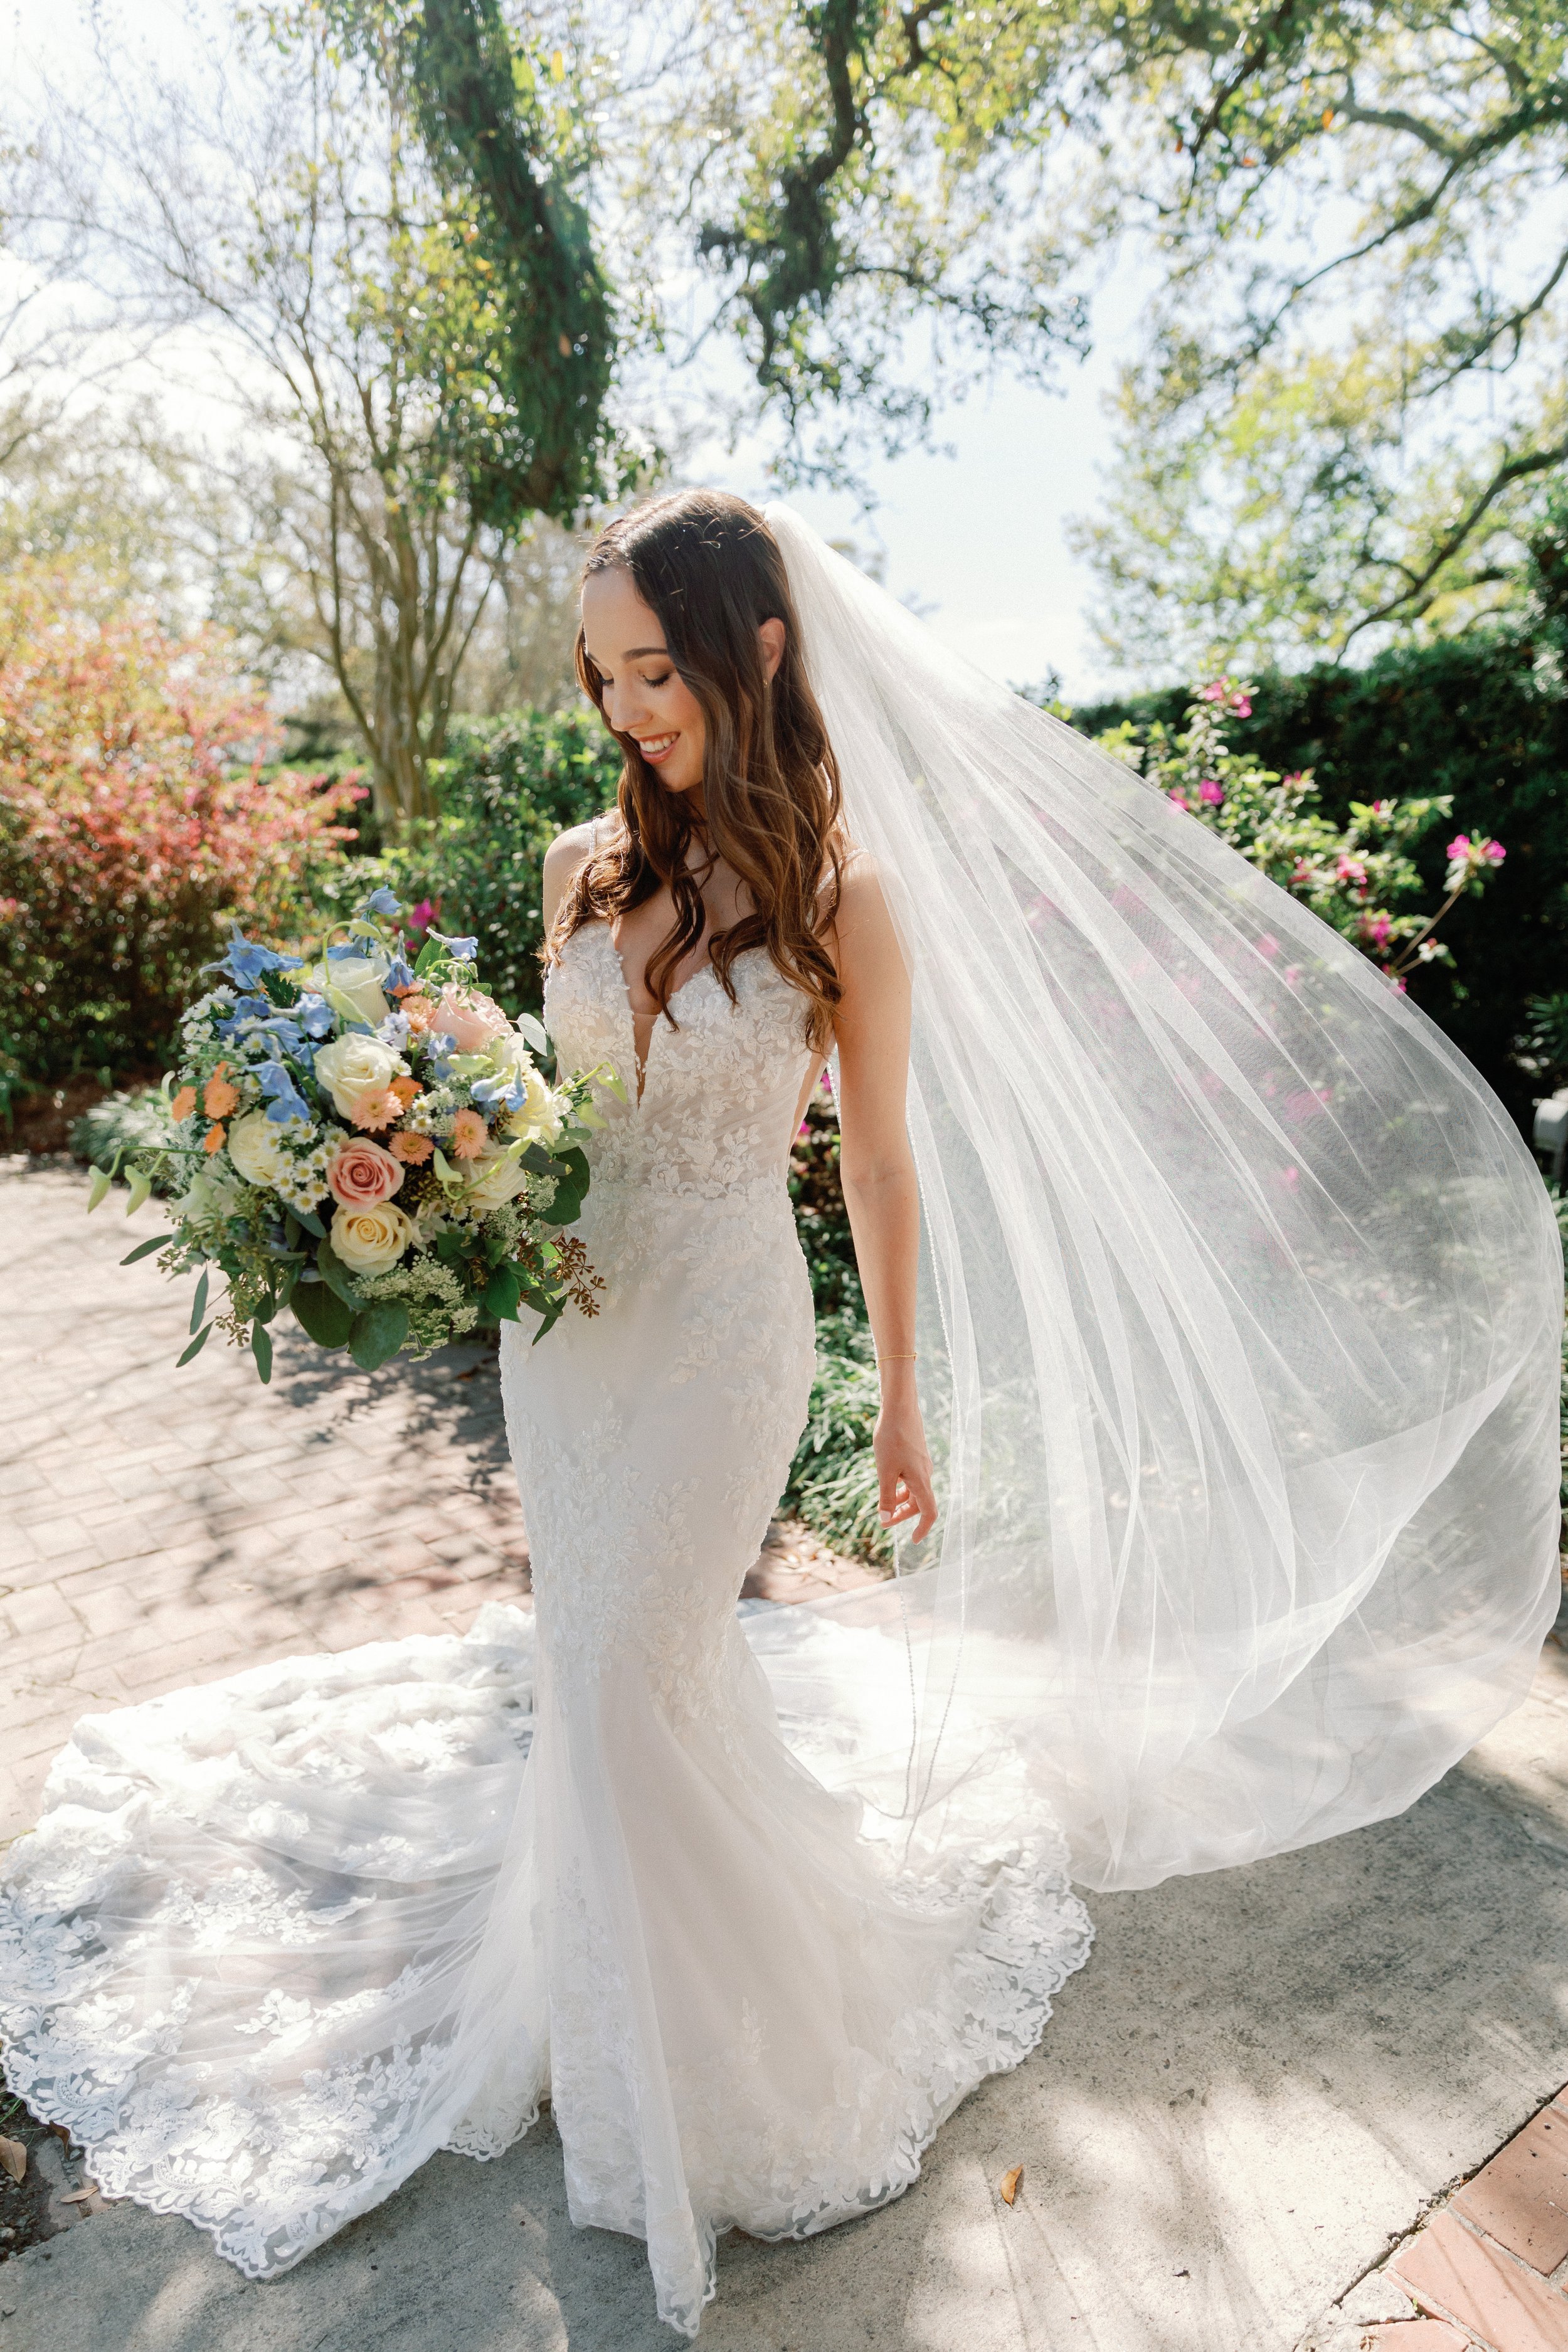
column 497, row 1179
column 369, row 1241
column 539, row 1118
column 352, row 1067
column 357, row 980
column 253, row 1149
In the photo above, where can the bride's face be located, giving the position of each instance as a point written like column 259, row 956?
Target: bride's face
column 643, row 693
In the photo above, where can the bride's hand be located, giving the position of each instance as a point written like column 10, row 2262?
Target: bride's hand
column 904, row 1490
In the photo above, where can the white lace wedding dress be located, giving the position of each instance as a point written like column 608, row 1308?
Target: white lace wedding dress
column 276, row 1940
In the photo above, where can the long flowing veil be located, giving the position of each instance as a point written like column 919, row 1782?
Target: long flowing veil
column 1242, row 1299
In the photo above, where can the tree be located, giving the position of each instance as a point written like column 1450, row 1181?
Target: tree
column 1352, row 397
column 371, row 204
column 1353, row 406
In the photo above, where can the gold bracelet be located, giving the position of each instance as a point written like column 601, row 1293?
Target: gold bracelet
column 898, row 1360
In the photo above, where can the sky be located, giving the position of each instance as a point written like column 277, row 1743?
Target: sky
column 974, row 540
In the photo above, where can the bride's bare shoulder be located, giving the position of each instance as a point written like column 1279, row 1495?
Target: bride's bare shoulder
column 860, row 894
column 565, row 855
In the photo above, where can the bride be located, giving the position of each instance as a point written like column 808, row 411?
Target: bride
column 1233, row 1296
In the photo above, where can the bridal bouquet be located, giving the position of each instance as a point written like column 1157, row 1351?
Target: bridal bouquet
column 370, row 1144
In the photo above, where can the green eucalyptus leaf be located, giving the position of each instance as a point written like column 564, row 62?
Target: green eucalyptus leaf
column 322, row 1314
column 379, row 1332
column 335, row 1275
column 145, row 1249
column 261, row 1348
column 197, row 1344
column 199, row 1304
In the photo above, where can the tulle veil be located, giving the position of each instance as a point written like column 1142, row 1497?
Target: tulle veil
column 1241, row 1304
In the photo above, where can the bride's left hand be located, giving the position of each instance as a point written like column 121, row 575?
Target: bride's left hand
column 904, row 1491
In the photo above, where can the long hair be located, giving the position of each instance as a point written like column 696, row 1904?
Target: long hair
column 771, row 805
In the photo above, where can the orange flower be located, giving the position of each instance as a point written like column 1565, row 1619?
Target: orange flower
column 377, row 1111
column 415, row 1148
column 212, row 1140
column 220, row 1097
column 406, row 1090
column 183, row 1104
column 418, row 1010
column 469, row 1135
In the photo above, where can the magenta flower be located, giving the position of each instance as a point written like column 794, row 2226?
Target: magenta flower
column 1459, row 849
column 1179, row 797
column 1216, row 691
column 1494, row 853
column 420, row 917
column 1212, row 793
column 1376, row 928
column 1241, row 707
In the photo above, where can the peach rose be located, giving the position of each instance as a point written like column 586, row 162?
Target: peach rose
column 470, row 1018
column 469, row 1135
column 360, row 1174
column 415, row 1148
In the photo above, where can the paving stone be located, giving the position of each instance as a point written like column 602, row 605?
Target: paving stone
column 1521, row 2198
column 1469, row 2280
column 1414, row 2336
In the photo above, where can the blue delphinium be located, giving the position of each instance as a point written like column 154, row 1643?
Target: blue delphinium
column 246, row 960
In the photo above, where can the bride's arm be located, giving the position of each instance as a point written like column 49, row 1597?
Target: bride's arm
column 878, row 1170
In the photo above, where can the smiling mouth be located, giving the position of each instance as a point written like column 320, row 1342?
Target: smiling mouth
column 655, row 748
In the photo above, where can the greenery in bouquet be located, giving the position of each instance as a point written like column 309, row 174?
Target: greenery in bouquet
column 371, row 1143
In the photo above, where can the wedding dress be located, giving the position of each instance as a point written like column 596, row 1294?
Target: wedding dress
column 1241, row 1305
column 276, row 1940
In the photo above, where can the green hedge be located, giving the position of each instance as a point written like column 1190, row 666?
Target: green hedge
column 507, row 787
column 1484, row 718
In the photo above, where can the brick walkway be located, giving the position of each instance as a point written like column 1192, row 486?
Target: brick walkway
column 161, row 1527
column 1485, row 2272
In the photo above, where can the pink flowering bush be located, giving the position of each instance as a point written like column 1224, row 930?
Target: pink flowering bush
column 1360, row 877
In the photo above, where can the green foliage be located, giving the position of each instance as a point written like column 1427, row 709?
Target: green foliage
column 1357, row 239
column 519, row 343
column 505, row 789
column 1481, row 720
column 821, row 1219
column 833, row 1478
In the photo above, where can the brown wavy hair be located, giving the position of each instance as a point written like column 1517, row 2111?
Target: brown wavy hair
column 771, row 805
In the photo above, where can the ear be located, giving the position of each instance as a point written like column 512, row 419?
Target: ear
column 771, row 637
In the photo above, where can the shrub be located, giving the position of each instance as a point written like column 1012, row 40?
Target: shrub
column 507, row 787
column 820, row 1217
column 1483, row 718
column 119, row 1124
column 134, row 820
column 833, row 1478
column 1358, row 877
